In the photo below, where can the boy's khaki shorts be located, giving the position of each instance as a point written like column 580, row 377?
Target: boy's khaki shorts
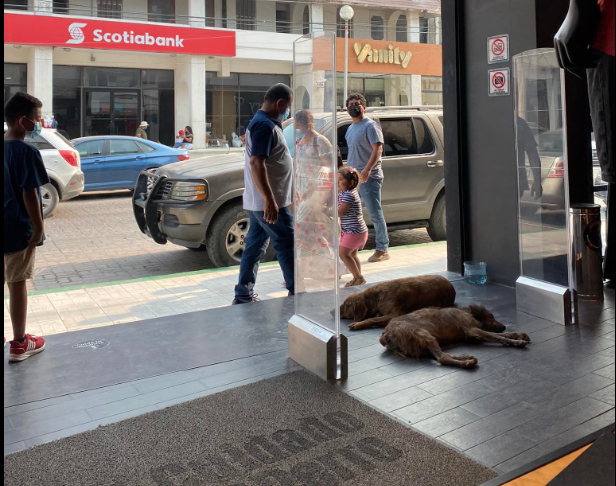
column 19, row 266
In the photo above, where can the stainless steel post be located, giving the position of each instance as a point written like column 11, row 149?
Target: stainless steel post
column 346, row 62
column 586, row 246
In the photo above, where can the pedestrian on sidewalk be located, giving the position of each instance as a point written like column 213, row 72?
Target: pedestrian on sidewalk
column 365, row 141
column 268, row 178
column 142, row 131
column 24, row 174
column 354, row 229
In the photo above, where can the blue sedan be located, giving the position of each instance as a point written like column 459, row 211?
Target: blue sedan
column 114, row 163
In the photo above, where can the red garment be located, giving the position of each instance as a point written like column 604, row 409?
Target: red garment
column 604, row 41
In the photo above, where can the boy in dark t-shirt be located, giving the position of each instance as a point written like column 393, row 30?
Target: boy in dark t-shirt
column 24, row 174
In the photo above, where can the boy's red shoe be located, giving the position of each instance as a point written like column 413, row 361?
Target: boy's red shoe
column 22, row 351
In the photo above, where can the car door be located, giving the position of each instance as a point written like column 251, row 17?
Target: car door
column 413, row 168
column 123, row 163
column 93, row 158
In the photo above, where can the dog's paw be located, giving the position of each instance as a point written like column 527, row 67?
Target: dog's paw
column 353, row 327
column 520, row 344
column 519, row 336
column 468, row 364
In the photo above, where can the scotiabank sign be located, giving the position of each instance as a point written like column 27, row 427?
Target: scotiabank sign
column 40, row 30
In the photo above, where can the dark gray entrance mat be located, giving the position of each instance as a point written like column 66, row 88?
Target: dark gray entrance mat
column 287, row 431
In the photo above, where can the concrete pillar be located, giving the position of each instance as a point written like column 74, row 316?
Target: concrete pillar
column 416, row 94
column 413, row 25
column 40, row 76
column 196, row 12
column 190, row 97
column 317, row 17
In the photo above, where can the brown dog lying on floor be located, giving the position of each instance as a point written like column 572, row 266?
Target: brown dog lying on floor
column 378, row 305
column 424, row 332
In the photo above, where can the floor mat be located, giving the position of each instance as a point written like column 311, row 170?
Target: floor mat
column 291, row 430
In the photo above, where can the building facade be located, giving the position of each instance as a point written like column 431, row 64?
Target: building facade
column 102, row 66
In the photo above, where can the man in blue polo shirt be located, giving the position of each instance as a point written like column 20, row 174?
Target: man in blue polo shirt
column 268, row 178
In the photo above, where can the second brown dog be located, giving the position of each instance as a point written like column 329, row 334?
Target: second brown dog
column 422, row 333
column 378, row 305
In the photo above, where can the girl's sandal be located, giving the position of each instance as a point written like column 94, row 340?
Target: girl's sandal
column 351, row 283
column 358, row 281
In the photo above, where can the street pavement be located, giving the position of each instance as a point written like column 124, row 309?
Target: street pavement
column 94, row 239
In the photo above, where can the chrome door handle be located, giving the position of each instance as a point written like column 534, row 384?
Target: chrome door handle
column 435, row 163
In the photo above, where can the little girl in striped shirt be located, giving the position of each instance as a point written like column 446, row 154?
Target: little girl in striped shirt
column 354, row 229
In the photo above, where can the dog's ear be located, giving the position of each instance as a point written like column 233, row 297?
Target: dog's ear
column 360, row 311
column 477, row 310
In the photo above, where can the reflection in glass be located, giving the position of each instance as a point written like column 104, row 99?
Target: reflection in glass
column 317, row 231
column 541, row 165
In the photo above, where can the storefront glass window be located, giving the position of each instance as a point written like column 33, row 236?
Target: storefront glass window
column 232, row 102
column 67, row 99
column 112, row 78
column 15, row 79
column 432, row 90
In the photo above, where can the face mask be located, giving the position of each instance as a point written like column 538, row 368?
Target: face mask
column 285, row 116
column 355, row 111
column 36, row 131
column 298, row 135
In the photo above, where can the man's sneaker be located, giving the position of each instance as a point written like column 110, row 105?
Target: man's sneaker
column 22, row 351
column 255, row 298
column 379, row 256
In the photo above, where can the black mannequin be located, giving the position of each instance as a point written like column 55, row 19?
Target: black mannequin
column 586, row 41
column 573, row 40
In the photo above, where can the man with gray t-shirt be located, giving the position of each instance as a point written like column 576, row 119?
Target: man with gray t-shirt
column 365, row 141
column 268, row 177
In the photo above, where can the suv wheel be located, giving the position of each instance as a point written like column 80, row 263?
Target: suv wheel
column 227, row 237
column 438, row 222
column 50, row 198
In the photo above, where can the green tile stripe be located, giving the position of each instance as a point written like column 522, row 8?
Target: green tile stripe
column 187, row 274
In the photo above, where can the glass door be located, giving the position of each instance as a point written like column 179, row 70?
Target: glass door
column 111, row 112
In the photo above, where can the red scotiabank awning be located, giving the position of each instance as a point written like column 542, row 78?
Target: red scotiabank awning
column 55, row 31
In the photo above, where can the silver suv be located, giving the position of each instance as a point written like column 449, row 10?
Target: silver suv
column 198, row 203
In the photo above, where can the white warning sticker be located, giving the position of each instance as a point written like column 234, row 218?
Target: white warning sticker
column 498, row 49
column 500, row 82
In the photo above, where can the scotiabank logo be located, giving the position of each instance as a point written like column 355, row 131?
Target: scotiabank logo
column 76, row 33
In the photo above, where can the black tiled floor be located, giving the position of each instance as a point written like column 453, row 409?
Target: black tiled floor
column 516, row 406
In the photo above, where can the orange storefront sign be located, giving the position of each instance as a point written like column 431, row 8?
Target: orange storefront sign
column 382, row 57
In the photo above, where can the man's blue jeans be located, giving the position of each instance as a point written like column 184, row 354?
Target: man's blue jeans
column 282, row 237
column 370, row 193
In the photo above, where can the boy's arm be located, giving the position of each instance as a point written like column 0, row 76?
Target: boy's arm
column 33, row 208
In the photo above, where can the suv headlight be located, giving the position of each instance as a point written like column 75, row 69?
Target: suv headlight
column 188, row 191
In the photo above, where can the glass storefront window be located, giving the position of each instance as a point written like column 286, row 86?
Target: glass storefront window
column 432, row 90
column 15, row 79
column 111, row 78
column 232, row 102
column 67, row 99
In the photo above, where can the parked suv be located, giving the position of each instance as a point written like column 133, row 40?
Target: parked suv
column 198, row 203
column 63, row 166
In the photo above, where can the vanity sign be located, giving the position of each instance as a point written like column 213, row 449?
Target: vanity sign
column 392, row 55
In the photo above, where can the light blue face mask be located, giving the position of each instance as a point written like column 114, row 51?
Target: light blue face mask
column 36, row 131
column 285, row 116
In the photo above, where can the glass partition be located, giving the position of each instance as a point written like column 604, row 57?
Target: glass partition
column 542, row 168
column 317, row 233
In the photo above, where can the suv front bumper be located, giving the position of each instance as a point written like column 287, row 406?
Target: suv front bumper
column 166, row 220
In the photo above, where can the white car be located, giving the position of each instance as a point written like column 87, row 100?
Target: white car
column 63, row 165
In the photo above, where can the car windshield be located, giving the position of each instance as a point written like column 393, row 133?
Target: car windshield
column 292, row 138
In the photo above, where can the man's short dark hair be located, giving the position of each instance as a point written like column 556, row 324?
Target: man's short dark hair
column 357, row 97
column 20, row 104
column 279, row 92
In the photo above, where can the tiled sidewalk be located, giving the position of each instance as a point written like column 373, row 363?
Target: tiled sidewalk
column 97, row 306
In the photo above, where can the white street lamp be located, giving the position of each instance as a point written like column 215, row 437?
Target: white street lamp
column 346, row 14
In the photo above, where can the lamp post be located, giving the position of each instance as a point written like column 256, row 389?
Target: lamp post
column 346, row 14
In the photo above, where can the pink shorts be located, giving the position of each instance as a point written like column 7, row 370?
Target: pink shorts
column 354, row 241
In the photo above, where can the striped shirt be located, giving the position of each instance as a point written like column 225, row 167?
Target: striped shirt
column 353, row 221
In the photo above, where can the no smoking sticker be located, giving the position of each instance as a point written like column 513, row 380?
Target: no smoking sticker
column 500, row 82
column 498, row 49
